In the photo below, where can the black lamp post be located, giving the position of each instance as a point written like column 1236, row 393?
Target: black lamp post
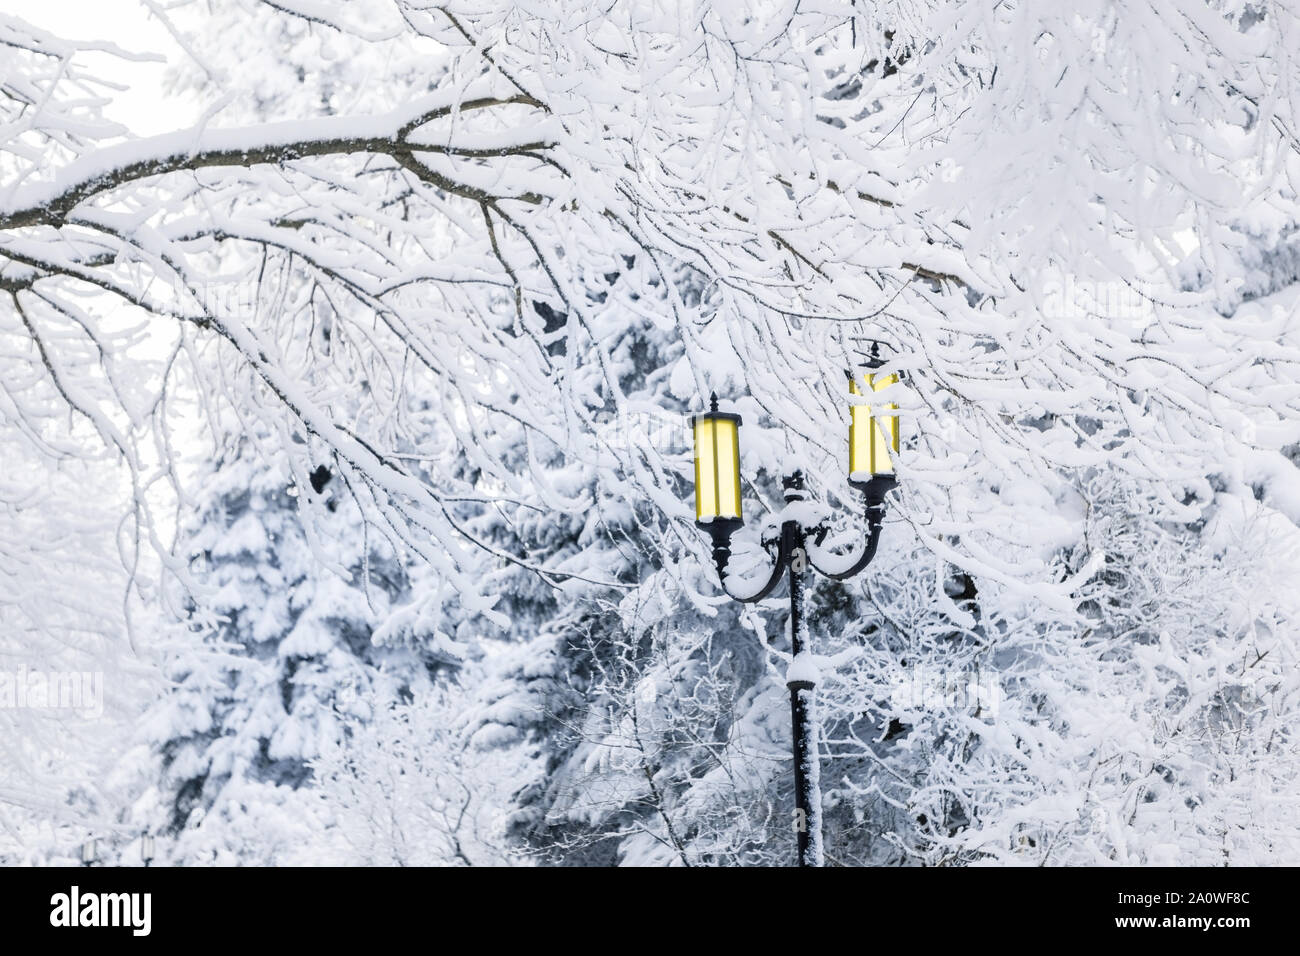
column 796, row 543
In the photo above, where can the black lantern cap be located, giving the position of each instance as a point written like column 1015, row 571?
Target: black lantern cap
column 714, row 413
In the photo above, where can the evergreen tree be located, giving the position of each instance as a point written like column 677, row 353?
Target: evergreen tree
column 304, row 625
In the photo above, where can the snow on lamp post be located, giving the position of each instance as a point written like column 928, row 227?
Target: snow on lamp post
column 88, row 853
column 796, row 536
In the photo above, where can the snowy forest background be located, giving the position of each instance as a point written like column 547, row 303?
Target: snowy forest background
column 342, row 414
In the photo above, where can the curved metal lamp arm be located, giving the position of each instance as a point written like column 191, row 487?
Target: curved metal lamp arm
column 874, row 492
column 721, row 532
column 875, row 518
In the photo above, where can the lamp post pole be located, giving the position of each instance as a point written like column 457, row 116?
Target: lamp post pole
column 803, row 704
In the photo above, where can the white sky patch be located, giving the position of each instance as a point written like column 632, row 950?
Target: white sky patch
column 143, row 107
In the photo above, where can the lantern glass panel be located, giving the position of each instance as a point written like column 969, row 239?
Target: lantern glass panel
column 717, row 467
column 706, row 486
column 873, row 431
column 884, row 431
column 727, row 447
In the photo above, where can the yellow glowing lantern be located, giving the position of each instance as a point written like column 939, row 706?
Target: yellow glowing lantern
column 873, row 431
column 717, row 466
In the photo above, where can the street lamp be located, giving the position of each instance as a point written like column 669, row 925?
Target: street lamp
column 88, row 853
column 146, row 849
column 796, row 534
